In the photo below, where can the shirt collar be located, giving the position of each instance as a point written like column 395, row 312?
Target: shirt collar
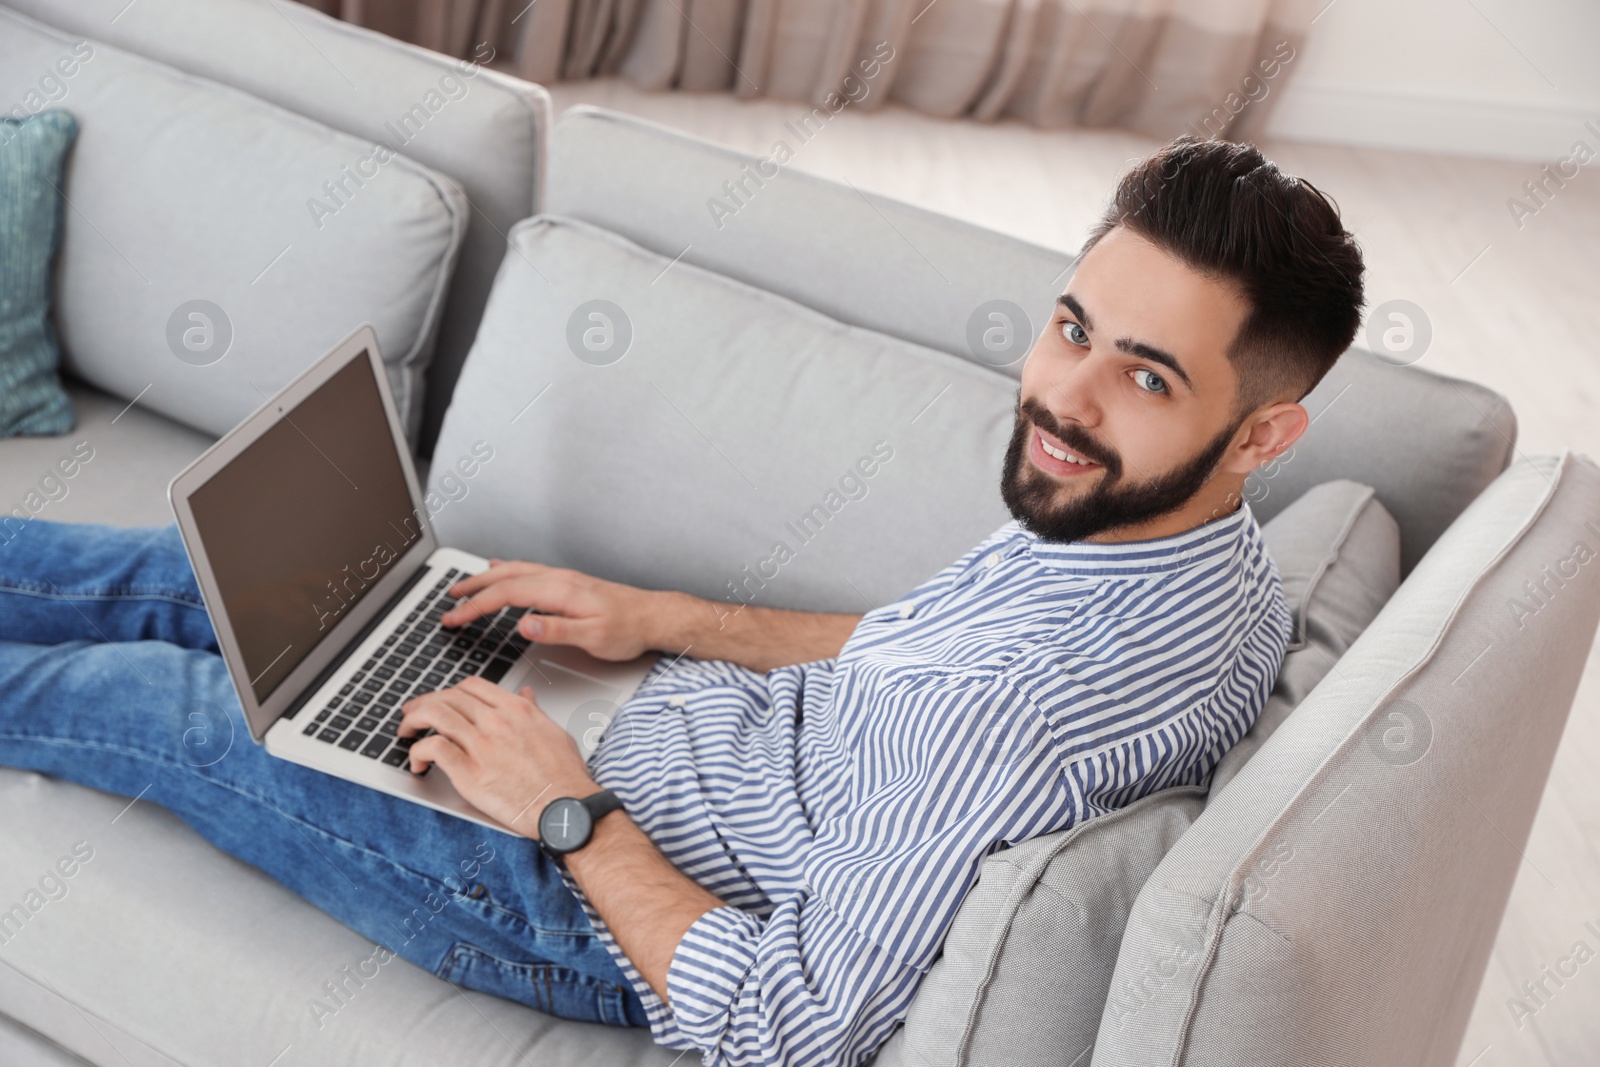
column 1209, row 541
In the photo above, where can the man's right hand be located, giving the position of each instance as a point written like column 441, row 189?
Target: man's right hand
column 608, row 620
column 613, row 621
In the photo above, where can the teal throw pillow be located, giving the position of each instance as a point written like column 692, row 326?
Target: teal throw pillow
column 32, row 152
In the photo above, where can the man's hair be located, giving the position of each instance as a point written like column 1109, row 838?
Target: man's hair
column 1224, row 210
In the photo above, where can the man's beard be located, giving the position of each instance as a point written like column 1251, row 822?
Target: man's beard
column 1112, row 504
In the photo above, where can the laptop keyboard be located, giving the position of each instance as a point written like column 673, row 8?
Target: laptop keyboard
column 418, row 657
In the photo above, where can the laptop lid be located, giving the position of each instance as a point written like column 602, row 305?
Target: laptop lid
column 301, row 523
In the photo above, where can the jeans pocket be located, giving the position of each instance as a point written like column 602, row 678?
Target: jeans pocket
column 549, row 987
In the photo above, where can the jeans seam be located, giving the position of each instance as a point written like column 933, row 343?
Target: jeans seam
column 610, row 997
column 26, row 588
column 263, row 800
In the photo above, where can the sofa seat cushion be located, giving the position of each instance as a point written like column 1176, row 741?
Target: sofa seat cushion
column 215, row 246
column 716, row 438
column 165, row 951
column 114, row 467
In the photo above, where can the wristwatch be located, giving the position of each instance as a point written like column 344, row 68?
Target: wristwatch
column 566, row 824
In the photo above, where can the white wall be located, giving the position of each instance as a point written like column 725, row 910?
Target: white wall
column 1512, row 79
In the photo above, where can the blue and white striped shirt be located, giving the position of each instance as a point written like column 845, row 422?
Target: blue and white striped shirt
column 841, row 808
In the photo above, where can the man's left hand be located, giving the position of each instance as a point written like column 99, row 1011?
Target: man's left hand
column 499, row 749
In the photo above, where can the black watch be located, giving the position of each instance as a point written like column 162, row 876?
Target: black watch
column 566, row 824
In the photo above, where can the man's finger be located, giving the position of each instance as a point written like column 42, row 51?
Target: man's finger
column 554, row 629
column 487, row 692
column 463, row 701
column 437, row 748
column 498, row 570
column 441, row 718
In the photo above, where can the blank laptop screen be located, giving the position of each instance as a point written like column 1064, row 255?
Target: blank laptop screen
column 304, row 521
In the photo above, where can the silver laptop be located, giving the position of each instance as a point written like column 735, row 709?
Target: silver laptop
column 317, row 561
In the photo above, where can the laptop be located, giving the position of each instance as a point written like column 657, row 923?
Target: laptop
column 316, row 557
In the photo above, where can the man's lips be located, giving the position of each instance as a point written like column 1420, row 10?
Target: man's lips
column 1052, row 456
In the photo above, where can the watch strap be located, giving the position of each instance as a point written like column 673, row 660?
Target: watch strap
column 601, row 803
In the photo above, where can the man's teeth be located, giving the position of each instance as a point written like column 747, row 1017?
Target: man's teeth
column 1057, row 453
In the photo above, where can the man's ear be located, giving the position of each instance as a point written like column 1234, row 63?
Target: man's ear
column 1265, row 436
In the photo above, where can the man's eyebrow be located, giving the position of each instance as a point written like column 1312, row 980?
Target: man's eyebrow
column 1154, row 355
column 1127, row 344
column 1070, row 302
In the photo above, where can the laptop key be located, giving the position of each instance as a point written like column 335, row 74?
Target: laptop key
column 374, row 748
column 410, row 674
column 339, row 722
column 361, row 698
column 352, row 740
column 390, row 727
column 478, row 655
column 384, row 673
column 373, row 684
column 397, row 757
column 311, row 728
column 389, row 699
column 329, row 735
column 496, row 670
column 367, row 723
column 346, row 690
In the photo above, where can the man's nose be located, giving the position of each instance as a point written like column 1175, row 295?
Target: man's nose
column 1074, row 393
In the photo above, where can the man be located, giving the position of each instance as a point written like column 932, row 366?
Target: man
column 806, row 798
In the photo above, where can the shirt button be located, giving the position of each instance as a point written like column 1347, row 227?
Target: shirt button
column 678, row 701
column 906, row 610
column 990, row 560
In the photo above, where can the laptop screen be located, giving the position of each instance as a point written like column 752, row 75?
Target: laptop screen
column 305, row 520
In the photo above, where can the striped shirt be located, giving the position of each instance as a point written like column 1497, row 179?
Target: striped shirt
column 841, row 808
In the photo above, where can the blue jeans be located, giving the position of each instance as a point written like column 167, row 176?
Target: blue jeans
column 110, row 677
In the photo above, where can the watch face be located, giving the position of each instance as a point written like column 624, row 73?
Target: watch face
column 564, row 825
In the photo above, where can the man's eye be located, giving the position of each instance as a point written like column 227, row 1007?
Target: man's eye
column 1075, row 333
column 1149, row 380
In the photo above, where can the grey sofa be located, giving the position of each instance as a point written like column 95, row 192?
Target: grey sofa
column 1332, row 898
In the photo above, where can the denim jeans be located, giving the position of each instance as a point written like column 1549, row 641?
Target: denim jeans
column 110, row 677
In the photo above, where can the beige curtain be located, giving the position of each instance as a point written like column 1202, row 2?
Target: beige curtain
column 1162, row 67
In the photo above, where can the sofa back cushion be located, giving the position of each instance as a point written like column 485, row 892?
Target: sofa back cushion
column 863, row 259
column 1338, row 552
column 1027, row 967
column 1427, row 443
column 482, row 128
column 662, row 425
column 192, row 275
column 872, row 261
column 1304, row 917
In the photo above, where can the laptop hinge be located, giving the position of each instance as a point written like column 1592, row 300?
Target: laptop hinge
column 344, row 654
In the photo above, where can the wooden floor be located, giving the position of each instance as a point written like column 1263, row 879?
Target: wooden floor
column 1517, row 309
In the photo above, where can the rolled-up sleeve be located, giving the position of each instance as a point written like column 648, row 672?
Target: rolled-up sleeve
column 800, row 989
